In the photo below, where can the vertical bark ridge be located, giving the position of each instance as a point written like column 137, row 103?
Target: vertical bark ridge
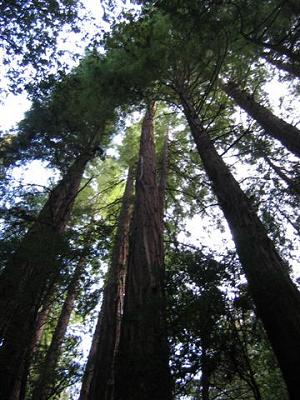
column 276, row 298
column 142, row 362
column 164, row 173
column 98, row 380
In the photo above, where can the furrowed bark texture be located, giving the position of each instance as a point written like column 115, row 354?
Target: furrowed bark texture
column 164, row 175
column 28, row 276
column 46, row 379
column 287, row 134
column 275, row 296
column 98, row 380
column 142, row 370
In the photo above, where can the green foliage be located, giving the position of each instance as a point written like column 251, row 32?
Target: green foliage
column 29, row 31
column 169, row 48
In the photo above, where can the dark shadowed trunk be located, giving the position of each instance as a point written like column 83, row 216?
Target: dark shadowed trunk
column 29, row 275
column 294, row 6
column 142, row 370
column 291, row 54
column 91, row 362
column 46, row 378
column 205, row 373
column 291, row 68
column 98, row 380
column 41, row 320
column 275, row 296
column 293, row 186
column 287, row 134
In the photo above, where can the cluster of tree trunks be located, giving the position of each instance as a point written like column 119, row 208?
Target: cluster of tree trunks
column 98, row 379
column 29, row 278
column 46, row 380
column 129, row 354
column 276, row 298
column 142, row 370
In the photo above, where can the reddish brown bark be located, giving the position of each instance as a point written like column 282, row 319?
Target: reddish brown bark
column 164, row 174
column 287, row 134
column 275, row 296
column 98, row 380
column 30, row 272
column 142, row 370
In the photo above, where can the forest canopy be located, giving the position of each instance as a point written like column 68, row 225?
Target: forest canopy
column 168, row 235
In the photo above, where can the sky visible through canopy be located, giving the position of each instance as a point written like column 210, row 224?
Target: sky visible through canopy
column 13, row 108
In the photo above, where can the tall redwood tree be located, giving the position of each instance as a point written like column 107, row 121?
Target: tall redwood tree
column 142, row 370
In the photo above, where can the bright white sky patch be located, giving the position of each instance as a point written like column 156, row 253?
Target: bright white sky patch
column 13, row 110
column 35, row 173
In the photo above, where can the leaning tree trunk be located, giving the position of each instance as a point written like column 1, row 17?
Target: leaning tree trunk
column 30, row 273
column 293, row 185
column 287, row 134
column 291, row 68
column 46, row 380
column 41, row 320
column 98, row 379
column 275, row 296
column 142, row 370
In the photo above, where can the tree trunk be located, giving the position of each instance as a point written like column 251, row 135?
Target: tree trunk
column 275, row 296
column 142, row 370
column 287, row 134
column 41, row 320
column 279, row 48
column 205, row 373
column 98, row 380
column 30, row 272
column 294, row 6
column 291, row 183
column 91, row 363
column 42, row 390
column 291, row 68
column 164, row 174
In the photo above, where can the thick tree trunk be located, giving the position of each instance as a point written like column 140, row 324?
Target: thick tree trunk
column 292, row 55
column 142, row 370
column 163, row 174
column 275, row 296
column 29, row 275
column 46, row 378
column 291, row 68
column 287, row 134
column 98, row 380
